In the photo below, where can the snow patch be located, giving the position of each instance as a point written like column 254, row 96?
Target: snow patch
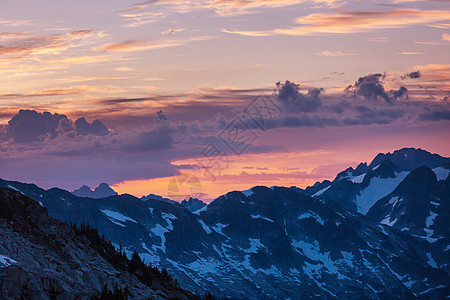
column 312, row 251
column 205, row 227
column 68, row 203
column 321, row 191
column 393, row 201
column 218, row 228
column 377, row 189
column 5, row 261
column 160, row 230
column 441, row 173
column 431, row 261
column 387, row 221
column 198, row 211
column 205, row 266
column 17, row 190
column 430, row 219
column 150, row 257
column 117, row 218
column 262, row 217
column 247, row 193
column 271, row 271
column 255, row 244
column 429, row 237
column 359, row 179
column 312, row 215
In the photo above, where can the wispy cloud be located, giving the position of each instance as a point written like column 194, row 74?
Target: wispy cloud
column 14, row 23
column 335, row 53
column 140, row 45
column 173, row 31
column 440, row 25
column 354, row 22
column 20, row 45
column 411, row 53
column 136, row 16
column 378, row 39
column 72, row 90
column 151, row 44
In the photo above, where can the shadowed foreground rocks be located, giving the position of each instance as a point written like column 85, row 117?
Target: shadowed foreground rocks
column 43, row 258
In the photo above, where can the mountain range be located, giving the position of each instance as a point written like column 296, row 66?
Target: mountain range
column 379, row 231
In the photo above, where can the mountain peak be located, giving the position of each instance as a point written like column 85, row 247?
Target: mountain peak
column 193, row 204
column 409, row 159
column 102, row 191
column 386, row 169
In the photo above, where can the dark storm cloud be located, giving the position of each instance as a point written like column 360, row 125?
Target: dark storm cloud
column 413, row 75
column 96, row 127
column 159, row 138
column 290, row 97
column 160, row 117
column 371, row 88
column 29, row 126
column 435, row 115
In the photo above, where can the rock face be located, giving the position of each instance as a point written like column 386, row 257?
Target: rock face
column 193, row 204
column 279, row 243
column 420, row 206
column 43, row 258
column 102, row 191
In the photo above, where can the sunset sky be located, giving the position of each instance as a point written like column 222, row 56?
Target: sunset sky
column 145, row 95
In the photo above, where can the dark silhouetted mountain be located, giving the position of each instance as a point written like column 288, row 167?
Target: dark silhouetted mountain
column 409, row 159
column 43, row 258
column 156, row 197
column 193, row 204
column 102, row 191
column 317, row 187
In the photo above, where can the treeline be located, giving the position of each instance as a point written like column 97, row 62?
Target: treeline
column 146, row 274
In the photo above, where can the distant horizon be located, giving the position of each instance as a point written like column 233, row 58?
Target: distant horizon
column 92, row 187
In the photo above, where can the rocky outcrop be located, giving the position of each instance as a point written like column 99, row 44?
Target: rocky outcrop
column 43, row 258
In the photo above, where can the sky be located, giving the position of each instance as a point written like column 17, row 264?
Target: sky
column 201, row 97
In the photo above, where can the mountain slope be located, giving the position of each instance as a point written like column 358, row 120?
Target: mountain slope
column 43, row 258
column 420, row 206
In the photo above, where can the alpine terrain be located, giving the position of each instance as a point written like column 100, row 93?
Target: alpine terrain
column 380, row 231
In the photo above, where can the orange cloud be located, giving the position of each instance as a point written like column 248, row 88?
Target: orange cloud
column 354, row 21
column 137, row 18
column 22, row 44
column 411, row 53
column 139, row 45
column 64, row 91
